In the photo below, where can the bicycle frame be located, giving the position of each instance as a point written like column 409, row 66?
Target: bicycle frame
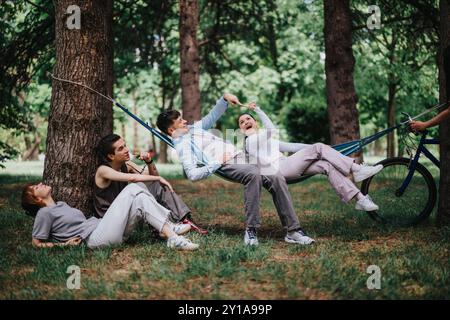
column 421, row 149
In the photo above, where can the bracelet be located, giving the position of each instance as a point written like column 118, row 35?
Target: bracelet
column 149, row 162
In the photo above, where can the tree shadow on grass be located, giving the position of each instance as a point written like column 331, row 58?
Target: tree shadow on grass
column 264, row 232
column 357, row 228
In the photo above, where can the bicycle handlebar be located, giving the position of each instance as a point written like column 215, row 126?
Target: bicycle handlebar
column 408, row 122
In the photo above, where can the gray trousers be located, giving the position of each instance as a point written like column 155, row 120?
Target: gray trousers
column 249, row 175
column 133, row 204
column 169, row 200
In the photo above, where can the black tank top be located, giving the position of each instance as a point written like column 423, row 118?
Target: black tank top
column 103, row 197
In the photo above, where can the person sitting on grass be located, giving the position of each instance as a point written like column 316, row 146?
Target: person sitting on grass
column 317, row 158
column 116, row 171
column 58, row 224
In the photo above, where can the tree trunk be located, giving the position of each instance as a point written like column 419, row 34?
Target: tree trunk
column 32, row 152
column 189, row 60
column 339, row 64
column 162, row 157
column 443, row 216
column 153, row 143
column 135, row 127
column 123, row 131
column 78, row 118
column 391, row 118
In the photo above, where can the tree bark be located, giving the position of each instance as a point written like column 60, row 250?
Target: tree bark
column 391, row 119
column 135, row 125
column 32, row 152
column 162, row 157
column 443, row 216
column 78, row 118
column 123, row 131
column 339, row 65
column 189, row 60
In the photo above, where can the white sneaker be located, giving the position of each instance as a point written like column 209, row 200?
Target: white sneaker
column 366, row 204
column 298, row 237
column 366, row 171
column 250, row 238
column 181, row 228
column 178, row 228
column 181, row 243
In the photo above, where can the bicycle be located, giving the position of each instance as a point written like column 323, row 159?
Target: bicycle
column 404, row 189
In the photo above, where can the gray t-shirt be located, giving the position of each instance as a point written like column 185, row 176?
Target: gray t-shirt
column 62, row 222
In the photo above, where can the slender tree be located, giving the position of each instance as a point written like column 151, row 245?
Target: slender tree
column 444, row 95
column 189, row 60
column 339, row 65
column 79, row 118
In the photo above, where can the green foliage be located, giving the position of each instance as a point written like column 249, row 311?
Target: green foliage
column 25, row 50
column 307, row 122
column 271, row 52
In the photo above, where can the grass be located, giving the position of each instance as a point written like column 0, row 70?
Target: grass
column 414, row 262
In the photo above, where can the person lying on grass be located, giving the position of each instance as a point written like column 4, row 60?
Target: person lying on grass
column 306, row 159
column 58, row 224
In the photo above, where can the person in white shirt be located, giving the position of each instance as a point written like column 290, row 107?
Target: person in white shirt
column 318, row 158
column 195, row 145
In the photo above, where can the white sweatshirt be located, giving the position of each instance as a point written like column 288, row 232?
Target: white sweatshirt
column 264, row 146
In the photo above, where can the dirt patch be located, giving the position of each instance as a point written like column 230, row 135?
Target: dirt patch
column 389, row 241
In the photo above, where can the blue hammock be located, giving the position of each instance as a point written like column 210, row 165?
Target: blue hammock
column 345, row 148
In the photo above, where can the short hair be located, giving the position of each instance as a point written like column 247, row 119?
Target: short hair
column 166, row 119
column 30, row 203
column 105, row 147
column 244, row 114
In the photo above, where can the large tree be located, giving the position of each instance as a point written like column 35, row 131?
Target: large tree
column 339, row 65
column 79, row 118
column 444, row 96
column 189, row 60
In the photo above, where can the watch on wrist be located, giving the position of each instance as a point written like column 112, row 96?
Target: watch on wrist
column 150, row 162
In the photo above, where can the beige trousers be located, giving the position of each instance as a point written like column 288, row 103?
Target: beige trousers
column 320, row 158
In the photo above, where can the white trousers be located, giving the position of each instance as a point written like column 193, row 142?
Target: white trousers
column 133, row 204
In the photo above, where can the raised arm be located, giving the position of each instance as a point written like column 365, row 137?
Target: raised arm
column 420, row 126
column 267, row 123
column 219, row 109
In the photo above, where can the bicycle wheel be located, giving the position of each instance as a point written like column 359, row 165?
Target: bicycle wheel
column 409, row 208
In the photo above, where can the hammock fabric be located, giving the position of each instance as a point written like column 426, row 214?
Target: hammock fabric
column 345, row 148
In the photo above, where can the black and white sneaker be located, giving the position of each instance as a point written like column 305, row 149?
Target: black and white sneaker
column 298, row 237
column 250, row 238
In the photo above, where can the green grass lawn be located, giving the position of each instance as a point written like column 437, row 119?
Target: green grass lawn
column 414, row 262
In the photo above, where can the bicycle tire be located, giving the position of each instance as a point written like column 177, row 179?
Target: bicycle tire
column 424, row 212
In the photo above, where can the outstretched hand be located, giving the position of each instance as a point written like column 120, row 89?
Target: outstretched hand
column 231, row 98
column 417, row 126
column 252, row 106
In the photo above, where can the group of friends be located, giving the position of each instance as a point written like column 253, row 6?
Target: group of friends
column 125, row 195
